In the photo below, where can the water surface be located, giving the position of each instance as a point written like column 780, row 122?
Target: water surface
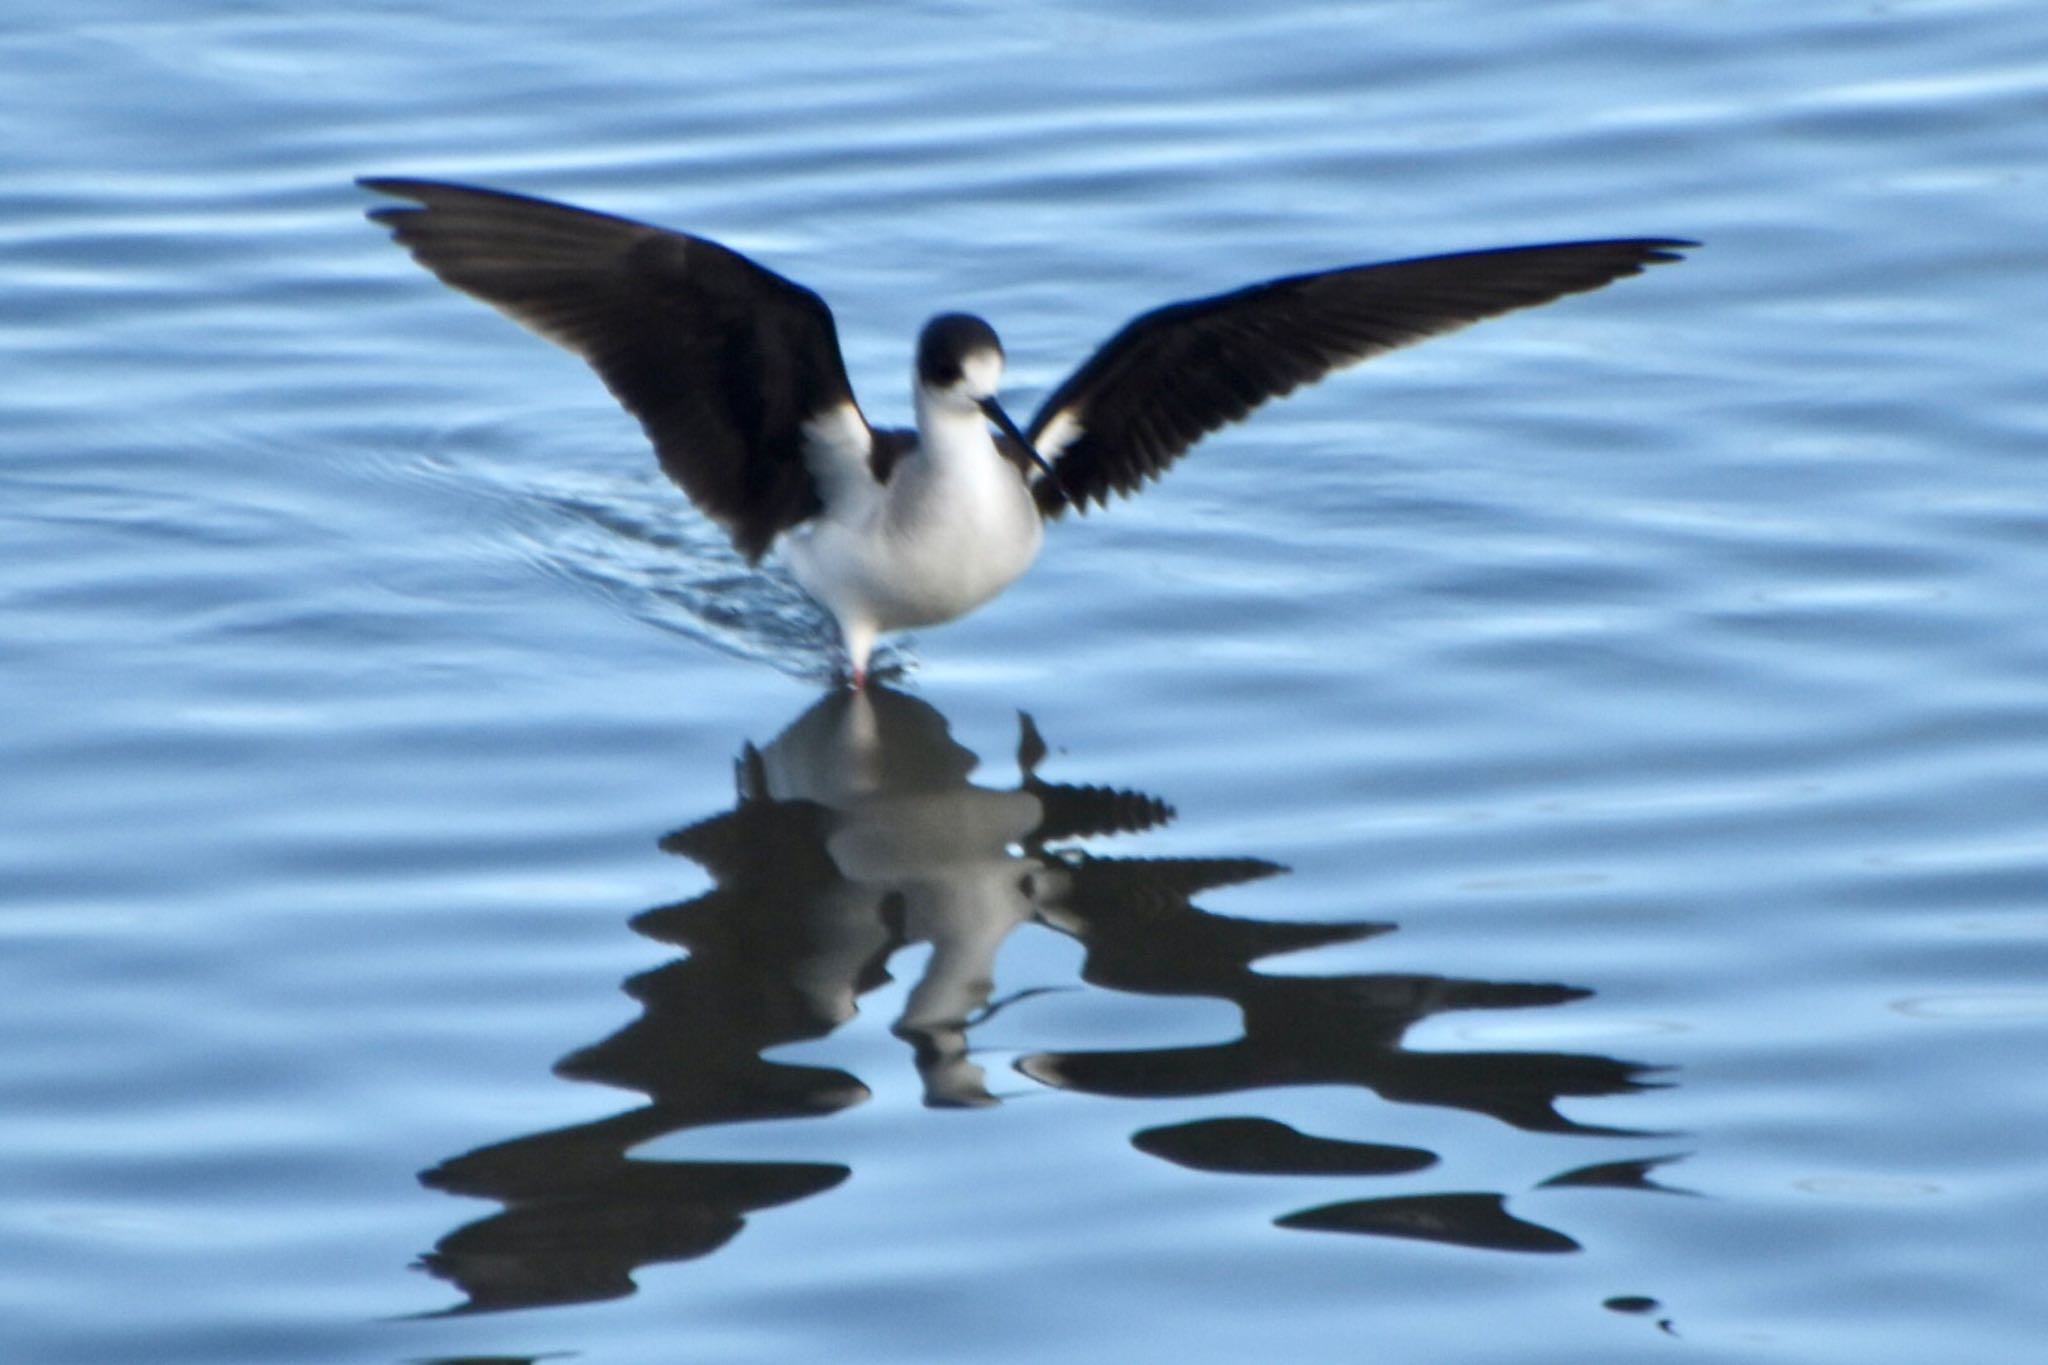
column 1531, row 851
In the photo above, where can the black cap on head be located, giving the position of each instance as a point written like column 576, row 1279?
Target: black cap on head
column 948, row 340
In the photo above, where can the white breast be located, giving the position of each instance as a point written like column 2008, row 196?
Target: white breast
column 953, row 527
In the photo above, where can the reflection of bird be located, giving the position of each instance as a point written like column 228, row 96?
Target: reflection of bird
column 858, row 832
column 917, row 846
column 735, row 373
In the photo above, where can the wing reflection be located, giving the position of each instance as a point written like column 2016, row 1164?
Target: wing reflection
column 858, row 832
column 1466, row 1220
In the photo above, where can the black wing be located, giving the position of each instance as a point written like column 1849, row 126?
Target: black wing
column 1174, row 375
column 722, row 360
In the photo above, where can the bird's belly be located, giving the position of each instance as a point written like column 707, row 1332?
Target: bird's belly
column 900, row 573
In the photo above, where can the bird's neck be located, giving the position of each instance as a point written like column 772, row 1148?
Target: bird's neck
column 954, row 438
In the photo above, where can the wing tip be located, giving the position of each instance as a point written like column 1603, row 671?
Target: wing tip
column 419, row 193
column 403, row 186
column 1638, row 254
column 1661, row 250
column 428, row 195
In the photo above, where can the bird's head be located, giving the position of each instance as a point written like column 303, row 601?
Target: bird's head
column 959, row 366
column 959, row 361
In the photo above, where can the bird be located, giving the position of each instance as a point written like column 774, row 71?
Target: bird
column 736, row 375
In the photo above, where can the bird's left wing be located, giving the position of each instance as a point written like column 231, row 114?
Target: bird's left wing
column 1175, row 374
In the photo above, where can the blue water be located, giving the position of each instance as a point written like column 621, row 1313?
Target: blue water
column 1534, row 851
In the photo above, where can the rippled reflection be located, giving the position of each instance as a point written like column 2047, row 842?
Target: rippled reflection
column 857, row 833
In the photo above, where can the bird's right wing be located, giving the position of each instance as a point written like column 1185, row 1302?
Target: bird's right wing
column 734, row 371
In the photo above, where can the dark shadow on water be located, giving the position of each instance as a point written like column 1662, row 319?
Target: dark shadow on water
column 858, row 832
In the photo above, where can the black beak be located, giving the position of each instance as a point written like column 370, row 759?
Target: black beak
column 994, row 412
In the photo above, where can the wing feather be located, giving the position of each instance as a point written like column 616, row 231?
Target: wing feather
column 1175, row 374
column 723, row 361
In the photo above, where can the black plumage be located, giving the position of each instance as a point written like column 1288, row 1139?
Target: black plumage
column 724, row 361
column 721, row 359
column 1177, row 373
